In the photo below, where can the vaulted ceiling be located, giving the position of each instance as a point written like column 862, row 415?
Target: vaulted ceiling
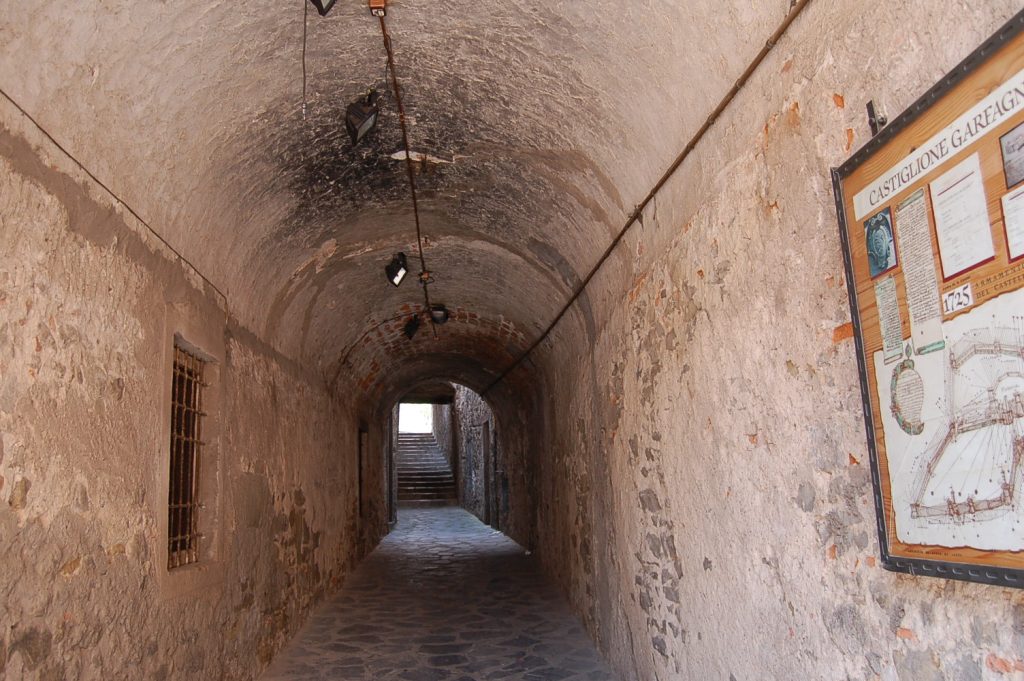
column 549, row 121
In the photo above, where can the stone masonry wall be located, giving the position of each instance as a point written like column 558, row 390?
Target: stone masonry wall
column 514, row 425
column 473, row 417
column 704, row 494
column 443, row 428
column 89, row 301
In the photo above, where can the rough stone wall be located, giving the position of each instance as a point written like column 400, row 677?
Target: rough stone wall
column 391, row 442
column 704, row 495
column 85, row 292
column 514, row 425
column 473, row 419
column 293, row 523
column 443, row 431
column 511, row 480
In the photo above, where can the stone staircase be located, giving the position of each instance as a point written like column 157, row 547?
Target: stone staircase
column 424, row 476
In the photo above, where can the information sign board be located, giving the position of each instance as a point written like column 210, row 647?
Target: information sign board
column 931, row 215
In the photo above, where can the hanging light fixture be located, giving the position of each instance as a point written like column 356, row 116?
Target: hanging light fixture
column 323, row 6
column 438, row 314
column 361, row 116
column 397, row 269
column 411, row 327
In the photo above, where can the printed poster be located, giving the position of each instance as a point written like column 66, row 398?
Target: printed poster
column 961, row 218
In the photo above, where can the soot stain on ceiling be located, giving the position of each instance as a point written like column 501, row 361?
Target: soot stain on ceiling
column 487, row 182
column 330, row 177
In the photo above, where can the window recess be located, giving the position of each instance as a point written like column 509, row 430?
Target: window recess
column 186, row 450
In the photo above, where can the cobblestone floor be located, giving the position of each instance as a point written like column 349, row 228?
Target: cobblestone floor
column 443, row 598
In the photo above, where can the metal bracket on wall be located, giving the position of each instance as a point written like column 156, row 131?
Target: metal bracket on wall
column 876, row 118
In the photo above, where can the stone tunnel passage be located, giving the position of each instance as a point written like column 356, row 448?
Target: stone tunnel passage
column 443, row 598
column 683, row 439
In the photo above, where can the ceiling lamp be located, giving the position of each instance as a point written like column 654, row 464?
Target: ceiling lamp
column 397, row 269
column 438, row 314
column 411, row 327
column 361, row 116
column 323, row 6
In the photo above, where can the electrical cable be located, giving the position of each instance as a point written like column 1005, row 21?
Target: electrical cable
column 114, row 196
column 424, row 272
column 796, row 7
column 305, row 25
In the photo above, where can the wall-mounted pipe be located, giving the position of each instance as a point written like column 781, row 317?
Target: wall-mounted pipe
column 796, row 8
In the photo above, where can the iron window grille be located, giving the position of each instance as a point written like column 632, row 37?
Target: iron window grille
column 186, row 449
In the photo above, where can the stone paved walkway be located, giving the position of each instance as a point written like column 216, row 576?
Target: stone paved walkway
column 443, row 598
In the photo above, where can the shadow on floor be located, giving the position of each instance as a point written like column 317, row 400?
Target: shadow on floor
column 443, row 598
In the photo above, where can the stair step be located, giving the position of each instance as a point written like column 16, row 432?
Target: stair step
column 428, row 494
column 426, row 479
column 426, row 488
column 424, row 473
column 422, row 479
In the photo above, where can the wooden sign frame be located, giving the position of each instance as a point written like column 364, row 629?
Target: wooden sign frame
column 938, row 315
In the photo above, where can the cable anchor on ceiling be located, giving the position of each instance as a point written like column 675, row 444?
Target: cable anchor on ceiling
column 378, row 8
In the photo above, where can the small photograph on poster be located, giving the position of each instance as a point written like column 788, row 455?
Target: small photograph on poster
column 881, row 246
column 1012, row 144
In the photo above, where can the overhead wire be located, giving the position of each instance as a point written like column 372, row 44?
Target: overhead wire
column 424, row 272
column 113, row 195
column 305, row 26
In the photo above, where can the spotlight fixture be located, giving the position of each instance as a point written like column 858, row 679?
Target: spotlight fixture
column 397, row 269
column 411, row 327
column 361, row 116
column 323, row 6
column 438, row 314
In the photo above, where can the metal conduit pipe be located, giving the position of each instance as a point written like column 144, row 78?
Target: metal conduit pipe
column 796, row 8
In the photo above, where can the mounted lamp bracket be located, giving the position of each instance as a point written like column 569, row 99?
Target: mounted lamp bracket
column 411, row 327
column 361, row 116
column 378, row 8
column 323, row 6
column 876, row 118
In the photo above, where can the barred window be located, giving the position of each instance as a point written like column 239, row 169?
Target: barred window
column 186, row 448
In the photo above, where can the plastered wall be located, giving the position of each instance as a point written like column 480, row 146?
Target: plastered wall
column 704, row 494
column 89, row 304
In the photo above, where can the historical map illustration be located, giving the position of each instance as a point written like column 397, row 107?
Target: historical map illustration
column 953, row 425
